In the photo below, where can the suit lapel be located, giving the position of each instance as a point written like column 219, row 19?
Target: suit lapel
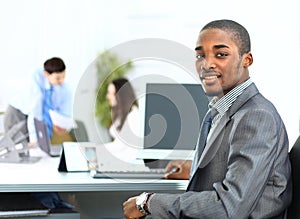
column 214, row 142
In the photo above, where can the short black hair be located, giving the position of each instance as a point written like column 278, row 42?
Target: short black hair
column 54, row 64
column 240, row 34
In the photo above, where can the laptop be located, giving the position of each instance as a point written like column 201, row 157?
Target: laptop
column 107, row 165
column 44, row 140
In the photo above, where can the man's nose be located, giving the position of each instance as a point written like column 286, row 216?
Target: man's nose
column 208, row 63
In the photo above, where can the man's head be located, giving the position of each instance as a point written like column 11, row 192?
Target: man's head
column 223, row 56
column 55, row 71
column 239, row 33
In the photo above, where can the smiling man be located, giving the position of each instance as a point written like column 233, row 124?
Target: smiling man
column 241, row 167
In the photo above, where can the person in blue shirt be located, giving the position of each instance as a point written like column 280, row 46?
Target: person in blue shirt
column 47, row 90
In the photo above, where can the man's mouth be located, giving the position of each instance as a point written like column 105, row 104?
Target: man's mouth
column 209, row 76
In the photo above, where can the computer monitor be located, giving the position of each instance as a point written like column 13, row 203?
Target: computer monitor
column 172, row 120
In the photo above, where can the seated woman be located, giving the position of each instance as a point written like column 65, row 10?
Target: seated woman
column 125, row 128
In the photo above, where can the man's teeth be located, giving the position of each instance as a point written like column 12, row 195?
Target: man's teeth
column 210, row 77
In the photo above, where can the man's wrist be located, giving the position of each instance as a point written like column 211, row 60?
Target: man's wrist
column 146, row 207
column 142, row 203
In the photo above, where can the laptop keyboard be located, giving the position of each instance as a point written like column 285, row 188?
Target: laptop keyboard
column 149, row 174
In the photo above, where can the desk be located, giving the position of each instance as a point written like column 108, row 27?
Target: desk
column 95, row 198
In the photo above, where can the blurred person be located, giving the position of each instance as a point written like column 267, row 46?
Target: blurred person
column 125, row 127
column 124, row 106
column 47, row 90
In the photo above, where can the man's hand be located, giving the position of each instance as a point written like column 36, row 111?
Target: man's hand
column 32, row 143
column 183, row 172
column 130, row 210
column 59, row 130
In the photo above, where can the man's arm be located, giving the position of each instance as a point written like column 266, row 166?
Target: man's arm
column 36, row 105
column 183, row 172
column 253, row 147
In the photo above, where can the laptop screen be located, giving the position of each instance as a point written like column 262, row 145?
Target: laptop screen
column 44, row 140
column 42, row 135
column 173, row 116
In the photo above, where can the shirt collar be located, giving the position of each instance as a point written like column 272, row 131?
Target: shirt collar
column 220, row 106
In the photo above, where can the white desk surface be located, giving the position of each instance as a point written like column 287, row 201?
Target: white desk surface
column 44, row 176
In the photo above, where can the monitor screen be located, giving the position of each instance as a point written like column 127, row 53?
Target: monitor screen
column 173, row 116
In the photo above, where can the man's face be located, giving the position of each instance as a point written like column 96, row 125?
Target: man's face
column 56, row 78
column 219, row 65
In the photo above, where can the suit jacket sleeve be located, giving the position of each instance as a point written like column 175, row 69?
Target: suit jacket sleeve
column 253, row 143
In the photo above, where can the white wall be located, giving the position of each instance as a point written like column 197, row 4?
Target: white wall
column 78, row 30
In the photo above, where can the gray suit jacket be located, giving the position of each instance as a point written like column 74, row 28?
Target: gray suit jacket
column 244, row 170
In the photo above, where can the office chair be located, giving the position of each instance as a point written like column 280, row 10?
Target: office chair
column 294, row 208
column 79, row 134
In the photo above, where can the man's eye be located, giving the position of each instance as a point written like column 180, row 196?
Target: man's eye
column 222, row 54
column 199, row 56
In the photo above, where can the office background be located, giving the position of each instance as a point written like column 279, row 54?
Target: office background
column 79, row 30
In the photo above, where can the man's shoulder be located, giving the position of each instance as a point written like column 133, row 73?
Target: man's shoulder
column 252, row 99
column 38, row 75
column 255, row 98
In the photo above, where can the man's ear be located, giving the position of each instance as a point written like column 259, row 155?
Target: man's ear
column 247, row 60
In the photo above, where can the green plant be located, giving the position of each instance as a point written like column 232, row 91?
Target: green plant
column 109, row 67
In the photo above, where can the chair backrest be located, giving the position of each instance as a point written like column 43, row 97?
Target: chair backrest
column 294, row 209
column 80, row 134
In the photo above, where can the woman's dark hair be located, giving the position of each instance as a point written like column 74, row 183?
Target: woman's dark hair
column 54, row 64
column 125, row 100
